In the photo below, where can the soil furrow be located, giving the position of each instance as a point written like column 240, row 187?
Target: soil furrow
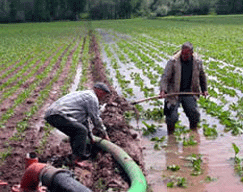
column 9, row 102
column 14, row 173
column 104, row 169
column 16, row 71
column 38, row 119
column 19, row 111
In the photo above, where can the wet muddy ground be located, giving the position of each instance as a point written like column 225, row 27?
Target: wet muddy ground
column 103, row 173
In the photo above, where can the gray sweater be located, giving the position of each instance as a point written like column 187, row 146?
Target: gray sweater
column 78, row 106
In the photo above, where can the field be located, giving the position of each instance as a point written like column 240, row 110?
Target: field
column 39, row 63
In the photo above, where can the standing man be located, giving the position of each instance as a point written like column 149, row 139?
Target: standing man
column 70, row 115
column 183, row 73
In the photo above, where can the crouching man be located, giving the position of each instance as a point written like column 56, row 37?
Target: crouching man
column 70, row 115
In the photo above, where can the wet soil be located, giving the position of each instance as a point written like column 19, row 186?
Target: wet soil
column 103, row 173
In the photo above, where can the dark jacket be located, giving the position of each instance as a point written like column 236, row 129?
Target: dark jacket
column 171, row 79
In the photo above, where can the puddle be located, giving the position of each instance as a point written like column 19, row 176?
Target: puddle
column 76, row 81
column 216, row 154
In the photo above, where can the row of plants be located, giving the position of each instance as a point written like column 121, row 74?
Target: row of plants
column 27, row 91
column 22, row 125
column 76, row 57
column 47, row 55
column 136, row 52
column 18, row 41
column 216, row 40
column 142, row 53
column 16, row 81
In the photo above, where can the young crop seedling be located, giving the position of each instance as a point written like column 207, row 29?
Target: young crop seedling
column 149, row 128
column 238, row 162
column 180, row 130
column 210, row 132
column 129, row 115
column 173, row 167
column 189, row 142
column 177, row 181
column 155, row 114
column 158, row 141
column 237, row 150
column 210, row 179
column 196, row 161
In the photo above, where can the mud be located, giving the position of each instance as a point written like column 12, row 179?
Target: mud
column 103, row 173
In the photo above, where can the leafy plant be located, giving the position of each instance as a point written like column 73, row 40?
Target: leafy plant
column 196, row 161
column 158, row 141
column 178, row 181
column 238, row 162
column 189, row 142
column 154, row 114
column 236, row 149
column 170, row 184
column 180, row 130
column 129, row 115
column 181, row 182
column 209, row 132
column 210, row 179
column 149, row 128
column 173, row 167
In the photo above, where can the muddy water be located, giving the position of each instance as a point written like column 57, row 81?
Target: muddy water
column 216, row 154
column 76, row 81
column 217, row 160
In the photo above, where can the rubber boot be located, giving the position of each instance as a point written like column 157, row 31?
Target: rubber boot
column 193, row 126
column 170, row 129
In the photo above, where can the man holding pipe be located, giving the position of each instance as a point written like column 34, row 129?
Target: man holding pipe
column 70, row 115
column 183, row 73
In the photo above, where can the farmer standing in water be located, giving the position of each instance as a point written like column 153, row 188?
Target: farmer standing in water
column 183, row 73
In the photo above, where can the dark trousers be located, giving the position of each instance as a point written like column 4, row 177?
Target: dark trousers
column 189, row 105
column 75, row 130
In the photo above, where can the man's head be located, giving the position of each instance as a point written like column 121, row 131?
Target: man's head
column 186, row 51
column 101, row 90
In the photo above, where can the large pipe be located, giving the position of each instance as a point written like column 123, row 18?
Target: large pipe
column 137, row 179
column 61, row 180
column 30, row 180
column 54, row 179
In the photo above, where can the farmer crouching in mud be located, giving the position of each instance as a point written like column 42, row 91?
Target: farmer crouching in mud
column 183, row 73
column 70, row 115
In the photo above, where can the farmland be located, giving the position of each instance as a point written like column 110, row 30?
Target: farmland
column 39, row 64
column 135, row 53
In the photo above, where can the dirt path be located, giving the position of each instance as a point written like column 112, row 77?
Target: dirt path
column 105, row 172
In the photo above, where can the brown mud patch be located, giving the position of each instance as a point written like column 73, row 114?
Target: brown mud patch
column 104, row 172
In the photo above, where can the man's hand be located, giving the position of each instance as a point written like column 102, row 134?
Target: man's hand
column 92, row 141
column 107, row 137
column 162, row 94
column 205, row 94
